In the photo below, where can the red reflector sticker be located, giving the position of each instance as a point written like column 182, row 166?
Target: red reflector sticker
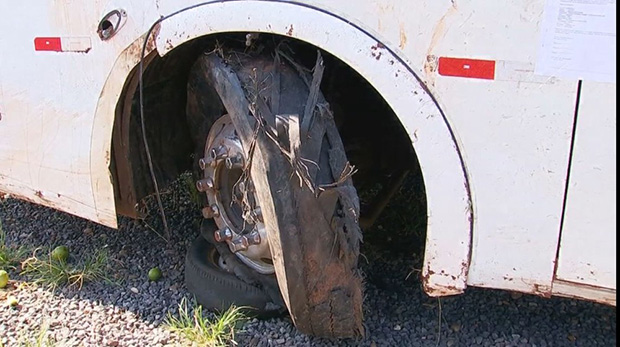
column 472, row 68
column 47, row 44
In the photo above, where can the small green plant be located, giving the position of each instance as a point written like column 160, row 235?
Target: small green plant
column 202, row 331
column 48, row 271
column 190, row 187
column 41, row 339
column 10, row 256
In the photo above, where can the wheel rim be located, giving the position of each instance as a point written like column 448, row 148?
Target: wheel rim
column 231, row 200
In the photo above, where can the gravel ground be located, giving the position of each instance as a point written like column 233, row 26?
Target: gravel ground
column 397, row 313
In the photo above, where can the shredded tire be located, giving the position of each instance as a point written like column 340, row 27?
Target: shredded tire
column 302, row 179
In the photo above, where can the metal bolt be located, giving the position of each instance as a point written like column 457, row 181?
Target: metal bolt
column 204, row 162
column 210, row 212
column 253, row 238
column 205, row 184
column 239, row 244
column 223, row 235
column 219, row 152
column 234, row 162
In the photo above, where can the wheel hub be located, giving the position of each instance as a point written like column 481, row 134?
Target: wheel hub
column 231, row 198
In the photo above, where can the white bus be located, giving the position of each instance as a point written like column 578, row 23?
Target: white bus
column 284, row 110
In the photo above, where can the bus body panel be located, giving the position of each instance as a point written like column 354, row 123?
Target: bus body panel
column 495, row 161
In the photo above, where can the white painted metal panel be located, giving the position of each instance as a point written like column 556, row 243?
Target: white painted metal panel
column 588, row 244
column 514, row 130
column 515, row 133
column 584, row 291
column 48, row 103
column 517, row 153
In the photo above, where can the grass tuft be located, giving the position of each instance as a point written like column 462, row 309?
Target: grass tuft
column 10, row 256
column 190, row 186
column 41, row 339
column 202, row 331
column 51, row 272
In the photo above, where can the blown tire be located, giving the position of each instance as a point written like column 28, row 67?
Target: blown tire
column 298, row 167
column 215, row 285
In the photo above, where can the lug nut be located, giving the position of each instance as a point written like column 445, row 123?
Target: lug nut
column 223, row 235
column 204, row 162
column 234, row 162
column 210, row 212
column 258, row 214
column 205, row 184
column 219, row 152
column 253, row 238
column 239, row 244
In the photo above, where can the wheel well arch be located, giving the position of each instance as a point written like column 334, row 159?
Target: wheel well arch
column 449, row 207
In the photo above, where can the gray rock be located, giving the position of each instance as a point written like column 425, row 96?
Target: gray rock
column 396, row 311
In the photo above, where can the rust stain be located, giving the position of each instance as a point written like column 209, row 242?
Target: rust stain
column 464, row 269
column 437, row 290
column 426, row 277
column 150, row 44
column 542, row 290
column 439, row 32
column 134, row 51
column 440, row 291
column 403, row 37
column 430, row 66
